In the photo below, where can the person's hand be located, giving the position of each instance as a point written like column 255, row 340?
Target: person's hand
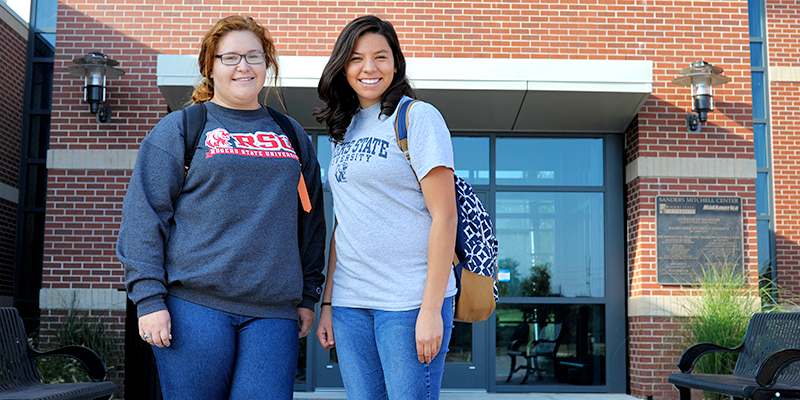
column 325, row 328
column 156, row 328
column 429, row 332
column 306, row 319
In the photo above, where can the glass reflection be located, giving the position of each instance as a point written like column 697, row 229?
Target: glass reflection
column 764, row 247
column 37, row 186
column 323, row 155
column 756, row 54
column 41, row 90
column 551, row 244
column 300, row 374
column 44, row 45
column 46, row 12
column 38, row 136
column 549, row 162
column 758, row 93
column 460, row 344
column 471, row 158
column 550, row 344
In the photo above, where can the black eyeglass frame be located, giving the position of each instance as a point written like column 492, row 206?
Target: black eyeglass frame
column 240, row 57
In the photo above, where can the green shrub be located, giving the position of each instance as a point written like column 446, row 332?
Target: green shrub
column 720, row 312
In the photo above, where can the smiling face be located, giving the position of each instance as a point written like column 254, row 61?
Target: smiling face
column 370, row 68
column 237, row 86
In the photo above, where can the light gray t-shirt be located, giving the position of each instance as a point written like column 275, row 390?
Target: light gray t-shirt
column 384, row 223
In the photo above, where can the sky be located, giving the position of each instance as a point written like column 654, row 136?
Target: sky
column 21, row 7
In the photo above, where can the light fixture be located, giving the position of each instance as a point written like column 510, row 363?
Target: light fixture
column 95, row 67
column 701, row 76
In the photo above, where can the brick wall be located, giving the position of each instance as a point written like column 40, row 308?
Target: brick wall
column 668, row 33
column 654, row 348
column 135, row 33
column 783, row 32
column 84, row 210
column 8, row 242
column 642, row 224
column 13, row 47
column 783, row 37
column 653, row 355
column 786, row 150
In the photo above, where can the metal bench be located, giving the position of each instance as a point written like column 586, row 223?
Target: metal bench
column 19, row 378
column 766, row 367
column 546, row 346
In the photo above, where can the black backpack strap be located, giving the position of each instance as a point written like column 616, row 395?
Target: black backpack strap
column 194, row 120
column 288, row 130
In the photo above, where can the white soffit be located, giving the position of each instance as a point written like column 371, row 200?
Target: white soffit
column 474, row 94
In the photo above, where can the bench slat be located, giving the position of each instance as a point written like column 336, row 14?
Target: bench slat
column 19, row 378
column 766, row 335
column 76, row 391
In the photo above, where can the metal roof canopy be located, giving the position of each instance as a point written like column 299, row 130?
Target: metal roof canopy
column 472, row 94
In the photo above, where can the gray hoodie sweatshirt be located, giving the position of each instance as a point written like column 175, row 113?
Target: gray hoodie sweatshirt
column 228, row 236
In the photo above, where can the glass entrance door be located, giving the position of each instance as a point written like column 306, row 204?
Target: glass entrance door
column 558, row 211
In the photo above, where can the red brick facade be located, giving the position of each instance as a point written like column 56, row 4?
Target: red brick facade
column 783, row 36
column 653, row 356
column 13, row 46
column 84, row 206
column 83, row 219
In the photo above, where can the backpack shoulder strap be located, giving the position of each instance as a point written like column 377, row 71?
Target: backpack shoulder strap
column 194, row 120
column 401, row 133
column 288, row 129
column 401, row 128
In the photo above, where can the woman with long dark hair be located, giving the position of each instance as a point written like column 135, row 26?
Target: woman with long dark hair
column 388, row 300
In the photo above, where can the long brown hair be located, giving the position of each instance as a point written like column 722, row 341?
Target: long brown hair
column 204, row 91
column 341, row 101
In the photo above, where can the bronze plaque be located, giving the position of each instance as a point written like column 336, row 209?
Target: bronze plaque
column 695, row 232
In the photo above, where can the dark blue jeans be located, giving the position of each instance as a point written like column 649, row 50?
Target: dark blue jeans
column 215, row 355
column 377, row 353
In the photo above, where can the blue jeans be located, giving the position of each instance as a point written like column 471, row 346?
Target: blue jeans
column 377, row 353
column 217, row 355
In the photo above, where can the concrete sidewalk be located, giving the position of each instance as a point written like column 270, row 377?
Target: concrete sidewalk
column 476, row 395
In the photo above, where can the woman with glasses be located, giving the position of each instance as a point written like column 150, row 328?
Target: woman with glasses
column 220, row 260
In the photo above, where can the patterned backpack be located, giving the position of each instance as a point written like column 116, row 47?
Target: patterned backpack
column 475, row 256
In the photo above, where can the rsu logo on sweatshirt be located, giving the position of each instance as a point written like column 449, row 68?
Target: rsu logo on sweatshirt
column 258, row 144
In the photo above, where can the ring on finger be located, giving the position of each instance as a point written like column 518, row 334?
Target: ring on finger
column 146, row 336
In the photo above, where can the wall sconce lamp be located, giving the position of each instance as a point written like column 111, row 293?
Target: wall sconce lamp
column 95, row 68
column 701, row 76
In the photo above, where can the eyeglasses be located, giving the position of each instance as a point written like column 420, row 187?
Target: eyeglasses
column 255, row 57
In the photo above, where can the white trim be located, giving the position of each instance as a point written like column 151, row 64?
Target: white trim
column 473, row 94
column 13, row 20
column 669, row 306
column 784, row 74
column 673, row 167
column 457, row 73
column 9, row 193
column 177, row 70
column 91, row 159
column 657, row 306
column 84, row 299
